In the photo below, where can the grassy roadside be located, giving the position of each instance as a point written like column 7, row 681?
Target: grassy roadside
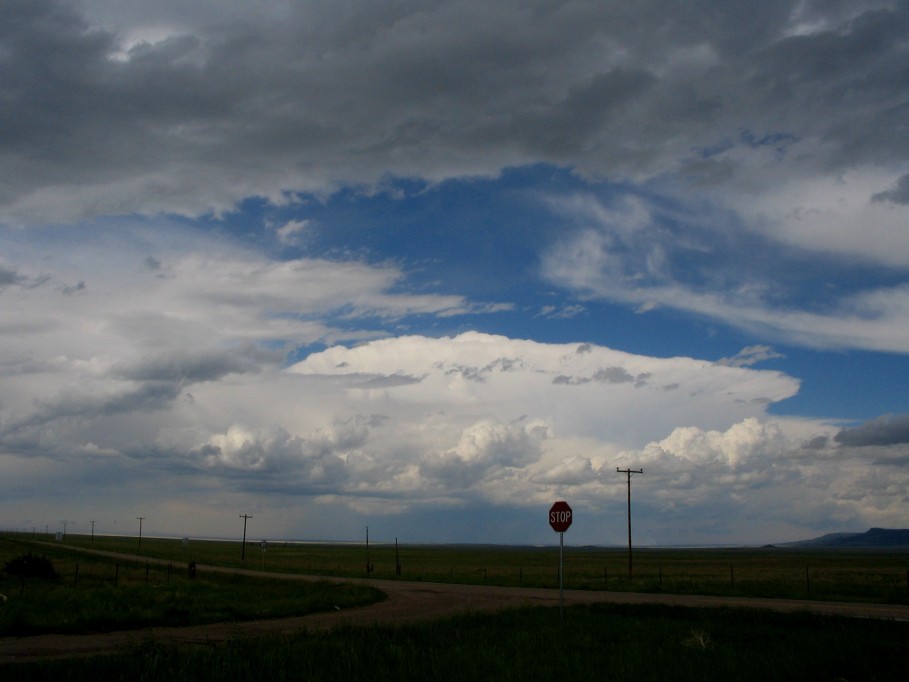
column 597, row 642
column 96, row 594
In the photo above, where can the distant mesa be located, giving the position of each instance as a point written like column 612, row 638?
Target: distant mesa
column 873, row 537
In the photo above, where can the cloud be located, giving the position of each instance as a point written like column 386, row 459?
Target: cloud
column 898, row 195
column 282, row 98
column 750, row 356
column 133, row 340
column 302, row 465
column 410, row 425
column 567, row 386
column 751, row 163
column 630, row 249
column 747, row 167
column 292, row 232
column 758, row 473
column 8, row 277
column 483, row 450
column 889, row 429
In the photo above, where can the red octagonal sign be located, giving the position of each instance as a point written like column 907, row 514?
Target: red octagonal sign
column 560, row 516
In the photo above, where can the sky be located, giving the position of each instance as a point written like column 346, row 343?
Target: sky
column 428, row 267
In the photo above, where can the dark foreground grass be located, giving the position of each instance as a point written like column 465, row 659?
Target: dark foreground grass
column 60, row 609
column 96, row 594
column 606, row 642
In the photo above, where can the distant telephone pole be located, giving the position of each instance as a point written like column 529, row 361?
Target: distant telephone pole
column 629, row 472
column 141, row 518
column 245, row 517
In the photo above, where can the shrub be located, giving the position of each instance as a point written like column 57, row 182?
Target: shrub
column 31, row 566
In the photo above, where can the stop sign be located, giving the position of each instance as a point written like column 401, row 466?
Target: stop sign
column 560, row 516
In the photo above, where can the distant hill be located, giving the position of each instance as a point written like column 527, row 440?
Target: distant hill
column 873, row 537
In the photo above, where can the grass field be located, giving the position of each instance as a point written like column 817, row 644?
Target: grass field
column 829, row 575
column 603, row 641
column 609, row 642
column 101, row 594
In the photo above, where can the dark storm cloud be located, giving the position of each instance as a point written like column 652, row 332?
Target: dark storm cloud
column 898, row 194
column 889, row 429
column 9, row 277
column 816, row 443
column 190, row 368
column 248, row 101
column 604, row 375
column 30, row 433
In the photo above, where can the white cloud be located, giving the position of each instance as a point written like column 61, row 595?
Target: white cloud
column 828, row 213
column 412, row 425
column 750, row 356
column 579, row 389
column 630, row 253
column 292, row 232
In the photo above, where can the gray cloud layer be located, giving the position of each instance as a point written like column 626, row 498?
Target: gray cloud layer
column 888, row 429
column 121, row 108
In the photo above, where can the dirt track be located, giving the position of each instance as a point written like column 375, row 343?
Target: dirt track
column 406, row 602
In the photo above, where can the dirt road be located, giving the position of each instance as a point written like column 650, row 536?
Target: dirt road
column 406, row 602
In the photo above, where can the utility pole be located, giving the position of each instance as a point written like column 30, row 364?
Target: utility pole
column 629, row 472
column 93, row 532
column 141, row 519
column 245, row 518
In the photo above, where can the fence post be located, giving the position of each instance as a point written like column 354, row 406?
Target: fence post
column 731, row 576
column 807, row 580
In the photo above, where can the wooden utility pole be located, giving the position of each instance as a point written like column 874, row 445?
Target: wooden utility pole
column 628, row 472
column 245, row 517
column 141, row 519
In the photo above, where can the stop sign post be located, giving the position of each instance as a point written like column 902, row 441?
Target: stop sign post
column 560, row 517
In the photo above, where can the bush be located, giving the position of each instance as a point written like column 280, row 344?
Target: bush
column 31, row 566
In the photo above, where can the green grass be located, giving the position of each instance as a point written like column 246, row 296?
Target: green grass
column 829, row 575
column 607, row 642
column 101, row 594
column 603, row 641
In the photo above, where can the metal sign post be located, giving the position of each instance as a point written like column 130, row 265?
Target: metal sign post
column 560, row 517
column 561, row 575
